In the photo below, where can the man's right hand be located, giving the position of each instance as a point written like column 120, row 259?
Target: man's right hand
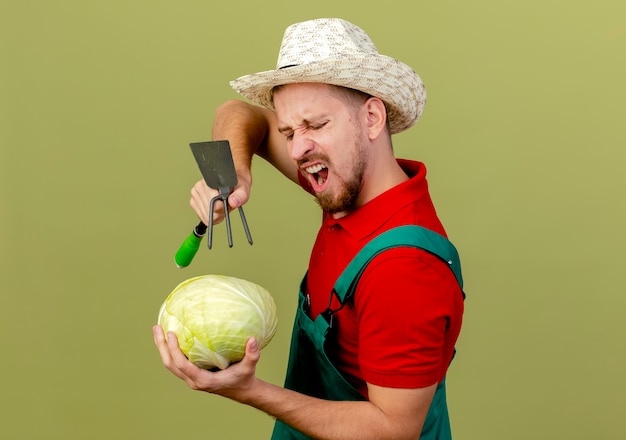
column 202, row 194
column 251, row 130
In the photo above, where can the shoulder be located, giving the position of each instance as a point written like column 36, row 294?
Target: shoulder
column 410, row 275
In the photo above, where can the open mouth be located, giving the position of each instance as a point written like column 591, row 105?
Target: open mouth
column 318, row 176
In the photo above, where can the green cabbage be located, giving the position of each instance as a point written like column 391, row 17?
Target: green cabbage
column 213, row 316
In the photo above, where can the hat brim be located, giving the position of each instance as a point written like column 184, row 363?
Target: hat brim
column 381, row 76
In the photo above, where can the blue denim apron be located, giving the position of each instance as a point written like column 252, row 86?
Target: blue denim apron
column 311, row 372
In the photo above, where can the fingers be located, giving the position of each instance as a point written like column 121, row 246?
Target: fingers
column 159, row 341
column 173, row 359
column 232, row 381
column 202, row 194
column 168, row 349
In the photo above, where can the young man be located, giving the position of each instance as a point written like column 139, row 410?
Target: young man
column 327, row 116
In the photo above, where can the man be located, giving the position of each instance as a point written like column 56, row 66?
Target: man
column 327, row 116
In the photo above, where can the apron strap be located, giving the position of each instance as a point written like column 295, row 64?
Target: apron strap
column 401, row 236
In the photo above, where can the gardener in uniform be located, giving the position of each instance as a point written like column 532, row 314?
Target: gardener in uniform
column 381, row 305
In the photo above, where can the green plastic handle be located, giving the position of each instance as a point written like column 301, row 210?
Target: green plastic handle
column 190, row 246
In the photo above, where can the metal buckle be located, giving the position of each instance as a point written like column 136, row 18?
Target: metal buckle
column 329, row 313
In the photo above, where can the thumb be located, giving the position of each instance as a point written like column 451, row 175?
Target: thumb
column 253, row 352
column 238, row 197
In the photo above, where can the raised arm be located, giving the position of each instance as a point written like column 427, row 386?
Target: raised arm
column 251, row 130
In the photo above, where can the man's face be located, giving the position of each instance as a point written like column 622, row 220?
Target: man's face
column 326, row 140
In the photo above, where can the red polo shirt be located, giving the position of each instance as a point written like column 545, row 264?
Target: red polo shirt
column 402, row 326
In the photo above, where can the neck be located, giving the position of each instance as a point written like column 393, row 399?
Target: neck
column 381, row 175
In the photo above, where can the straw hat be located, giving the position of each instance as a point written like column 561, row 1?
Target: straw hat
column 334, row 51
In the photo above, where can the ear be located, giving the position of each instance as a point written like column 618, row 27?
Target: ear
column 376, row 117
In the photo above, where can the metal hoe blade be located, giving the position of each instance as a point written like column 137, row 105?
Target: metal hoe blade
column 215, row 161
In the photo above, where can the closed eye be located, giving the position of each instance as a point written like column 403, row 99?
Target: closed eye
column 318, row 126
column 289, row 133
column 286, row 132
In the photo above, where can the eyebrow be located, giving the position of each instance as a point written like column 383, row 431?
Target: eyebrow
column 285, row 129
column 305, row 123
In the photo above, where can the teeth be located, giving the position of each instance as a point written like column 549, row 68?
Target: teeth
column 314, row 169
column 320, row 181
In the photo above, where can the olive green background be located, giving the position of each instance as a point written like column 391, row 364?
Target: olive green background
column 523, row 135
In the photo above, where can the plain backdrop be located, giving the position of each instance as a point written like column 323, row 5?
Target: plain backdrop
column 523, row 136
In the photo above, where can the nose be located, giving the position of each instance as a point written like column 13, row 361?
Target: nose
column 300, row 146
